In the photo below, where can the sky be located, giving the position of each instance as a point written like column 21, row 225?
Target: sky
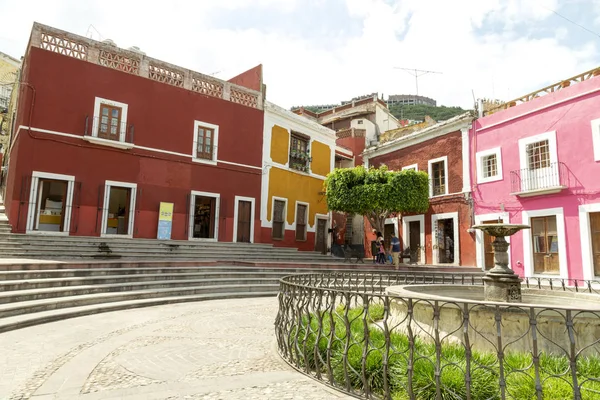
column 326, row 51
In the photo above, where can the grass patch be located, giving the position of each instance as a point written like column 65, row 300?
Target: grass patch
column 358, row 344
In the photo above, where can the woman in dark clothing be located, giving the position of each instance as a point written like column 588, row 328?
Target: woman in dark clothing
column 380, row 249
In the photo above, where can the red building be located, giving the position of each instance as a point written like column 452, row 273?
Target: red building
column 443, row 235
column 104, row 135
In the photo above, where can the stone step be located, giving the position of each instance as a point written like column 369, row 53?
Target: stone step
column 25, row 320
column 155, row 249
column 32, row 284
column 8, row 276
column 29, row 301
column 132, row 257
column 95, row 240
column 214, row 246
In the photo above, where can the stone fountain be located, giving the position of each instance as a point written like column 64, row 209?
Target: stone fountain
column 501, row 283
column 441, row 309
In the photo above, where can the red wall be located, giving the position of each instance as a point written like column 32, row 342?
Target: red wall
column 252, row 79
column 289, row 240
column 356, row 144
column 163, row 116
column 448, row 145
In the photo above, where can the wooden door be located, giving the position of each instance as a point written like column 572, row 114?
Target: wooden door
column 414, row 241
column 545, row 245
column 387, row 235
column 488, row 248
column 595, row 232
column 321, row 245
column 244, row 221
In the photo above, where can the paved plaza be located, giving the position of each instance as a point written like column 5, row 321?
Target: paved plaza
column 220, row 349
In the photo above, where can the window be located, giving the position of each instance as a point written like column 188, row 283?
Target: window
column 438, row 175
column 413, row 167
column 489, row 165
column 299, row 153
column 538, row 155
column 278, row 219
column 439, row 178
column 540, row 170
column 301, row 211
column 204, row 143
column 596, row 138
column 206, row 140
column 360, row 122
column 110, row 122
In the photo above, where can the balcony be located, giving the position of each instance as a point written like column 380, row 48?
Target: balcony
column 534, row 182
column 119, row 136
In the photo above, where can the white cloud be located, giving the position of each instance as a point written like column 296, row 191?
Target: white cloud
column 477, row 46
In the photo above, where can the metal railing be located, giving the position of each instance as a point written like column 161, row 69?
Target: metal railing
column 343, row 330
column 529, row 180
column 125, row 133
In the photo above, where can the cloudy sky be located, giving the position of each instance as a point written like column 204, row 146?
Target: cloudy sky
column 324, row 51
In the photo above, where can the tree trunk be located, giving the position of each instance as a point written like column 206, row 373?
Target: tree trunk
column 377, row 222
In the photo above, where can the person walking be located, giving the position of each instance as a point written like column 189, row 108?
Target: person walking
column 395, row 251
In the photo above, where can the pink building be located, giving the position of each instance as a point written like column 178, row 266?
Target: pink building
column 536, row 161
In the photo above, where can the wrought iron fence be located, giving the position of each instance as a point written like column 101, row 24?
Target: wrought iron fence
column 344, row 330
column 122, row 132
column 528, row 180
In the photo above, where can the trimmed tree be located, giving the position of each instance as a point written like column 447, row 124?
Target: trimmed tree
column 377, row 192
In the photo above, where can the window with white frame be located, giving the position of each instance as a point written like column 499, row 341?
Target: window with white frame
column 110, row 120
column 538, row 154
column 206, row 139
column 596, row 138
column 438, row 174
column 538, row 159
column 412, row 167
column 489, row 165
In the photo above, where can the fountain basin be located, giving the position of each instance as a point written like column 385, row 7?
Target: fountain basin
column 461, row 315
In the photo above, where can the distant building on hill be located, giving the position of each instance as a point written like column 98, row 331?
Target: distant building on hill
column 409, row 100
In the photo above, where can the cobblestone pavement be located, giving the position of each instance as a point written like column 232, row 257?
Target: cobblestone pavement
column 221, row 349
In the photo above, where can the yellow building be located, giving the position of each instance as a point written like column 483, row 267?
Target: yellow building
column 9, row 68
column 298, row 154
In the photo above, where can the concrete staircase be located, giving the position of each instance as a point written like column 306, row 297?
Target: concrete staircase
column 31, row 297
column 81, row 248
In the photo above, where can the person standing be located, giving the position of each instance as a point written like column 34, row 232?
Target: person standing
column 380, row 249
column 395, row 250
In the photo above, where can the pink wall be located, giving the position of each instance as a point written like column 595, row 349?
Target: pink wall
column 569, row 113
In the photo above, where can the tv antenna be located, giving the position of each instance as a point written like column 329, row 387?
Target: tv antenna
column 90, row 34
column 417, row 73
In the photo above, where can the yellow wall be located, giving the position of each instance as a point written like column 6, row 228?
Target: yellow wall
column 296, row 187
column 321, row 158
column 280, row 144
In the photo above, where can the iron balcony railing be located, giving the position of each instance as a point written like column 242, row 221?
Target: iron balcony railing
column 125, row 133
column 552, row 176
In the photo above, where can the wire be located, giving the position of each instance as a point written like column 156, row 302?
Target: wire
column 571, row 21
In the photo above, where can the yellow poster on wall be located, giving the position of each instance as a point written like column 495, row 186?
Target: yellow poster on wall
column 165, row 220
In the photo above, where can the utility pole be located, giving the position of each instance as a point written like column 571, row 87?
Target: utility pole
column 417, row 73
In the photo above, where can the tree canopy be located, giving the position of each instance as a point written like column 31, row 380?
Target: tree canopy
column 419, row 111
column 377, row 192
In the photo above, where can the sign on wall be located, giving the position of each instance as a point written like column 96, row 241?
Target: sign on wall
column 165, row 220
